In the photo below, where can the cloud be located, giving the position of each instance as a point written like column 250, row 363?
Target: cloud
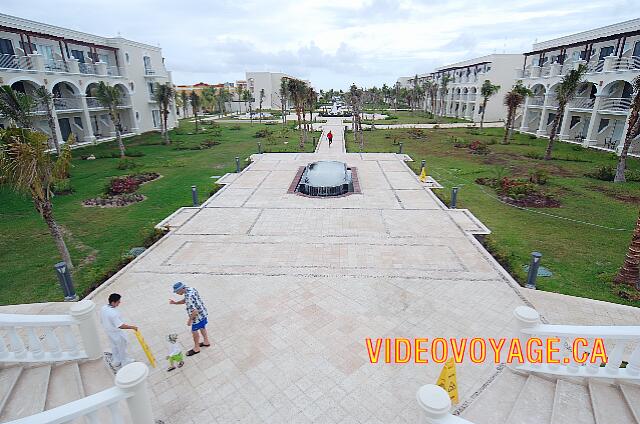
column 334, row 42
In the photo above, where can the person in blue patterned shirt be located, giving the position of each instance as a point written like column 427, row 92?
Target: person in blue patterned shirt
column 197, row 315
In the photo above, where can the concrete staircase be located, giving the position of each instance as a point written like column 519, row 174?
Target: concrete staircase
column 520, row 398
column 29, row 389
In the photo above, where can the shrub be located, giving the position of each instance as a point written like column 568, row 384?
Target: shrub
column 604, row 173
column 126, row 164
column 235, row 127
column 534, row 155
column 532, row 137
column 539, row 176
column 62, row 187
column 478, row 148
column 263, row 133
column 631, row 175
column 121, row 185
column 390, row 117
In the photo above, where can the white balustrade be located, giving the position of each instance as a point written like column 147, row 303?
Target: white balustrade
column 595, row 67
column 56, row 66
column 616, row 104
column 545, row 71
column 50, row 338
column 93, row 103
column 435, row 404
column 12, row 61
column 113, row 71
column 87, row 68
column 582, row 103
column 67, row 103
column 130, row 387
column 536, row 101
column 616, row 340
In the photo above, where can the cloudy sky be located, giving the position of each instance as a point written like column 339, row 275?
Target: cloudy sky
column 330, row 42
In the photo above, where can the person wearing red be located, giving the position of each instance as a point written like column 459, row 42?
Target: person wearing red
column 330, row 137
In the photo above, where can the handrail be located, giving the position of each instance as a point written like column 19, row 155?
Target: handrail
column 12, row 61
column 130, row 386
column 615, row 339
column 56, row 339
column 616, row 103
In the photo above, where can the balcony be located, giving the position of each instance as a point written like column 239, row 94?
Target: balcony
column 536, row 101
column 56, row 66
column 583, row 103
column 93, row 103
column 149, row 71
column 11, row 61
column 595, row 67
column 616, row 104
column 627, row 63
column 87, row 68
column 67, row 103
column 545, row 71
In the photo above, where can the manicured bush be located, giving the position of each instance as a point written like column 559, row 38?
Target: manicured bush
column 539, row 176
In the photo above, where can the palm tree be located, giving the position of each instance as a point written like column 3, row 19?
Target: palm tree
column 27, row 167
column 312, row 98
column 565, row 92
column 17, row 106
column 185, row 103
column 195, row 106
column 110, row 97
column 246, row 98
column 164, row 94
column 633, row 129
column 487, row 90
column 512, row 100
column 262, row 96
column 297, row 90
column 45, row 98
column 628, row 272
column 284, row 95
column 443, row 92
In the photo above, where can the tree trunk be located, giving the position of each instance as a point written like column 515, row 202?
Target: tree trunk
column 632, row 130
column 300, row 127
column 484, row 108
column 46, row 211
column 505, row 140
column 628, row 273
column 554, row 129
column 52, row 128
column 195, row 118
column 166, row 128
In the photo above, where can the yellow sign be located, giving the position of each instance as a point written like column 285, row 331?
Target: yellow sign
column 447, row 380
column 423, row 174
column 145, row 347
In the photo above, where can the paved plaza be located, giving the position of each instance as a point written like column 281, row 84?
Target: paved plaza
column 294, row 285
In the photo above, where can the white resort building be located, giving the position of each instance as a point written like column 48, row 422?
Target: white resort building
column 270, row 83
column 71, row 64
column 597, row 116
column 462, row 98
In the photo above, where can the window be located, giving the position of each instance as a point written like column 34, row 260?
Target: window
column 78, row 54
column 26, row 48
column 605, row 51
column 137, row 115
column 104, row 58
column 46, row 52
column 126, row 57
column 575, row 120
column 151, row 87
column 132, row 86
column 93, row 56
column 155, row 114
column 147, row 65
column 6, row 47
column 604, row 123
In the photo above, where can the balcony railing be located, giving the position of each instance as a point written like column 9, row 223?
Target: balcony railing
column 93, row 103
column 471, row 98
column 87, row 68
column 11, row 61
column 595, row 67
column 67, row 103
column 545, row 71
column 536, row 101
column 149, row 71
column 56, row 66
column 583, row 103
column 616, row 104
column 113, row 71
column 627, row 63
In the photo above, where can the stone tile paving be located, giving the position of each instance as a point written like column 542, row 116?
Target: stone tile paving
column 294, row 285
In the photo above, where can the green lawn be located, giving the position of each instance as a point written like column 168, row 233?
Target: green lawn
column 408, row 117
column 98, row 237
column 583, row 258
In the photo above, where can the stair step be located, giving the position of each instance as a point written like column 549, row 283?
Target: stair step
column 534, row 403
column 65, row 385
column 494, row 404
column 609, row 405
column 96, row 376
column 29, row 394
column 632, row 395
column 572, row 404
column 8, row 379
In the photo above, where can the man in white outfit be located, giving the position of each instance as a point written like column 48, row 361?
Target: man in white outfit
column 114, row 326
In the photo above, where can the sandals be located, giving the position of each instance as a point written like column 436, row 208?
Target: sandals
column 204, row 345
column 192, row 352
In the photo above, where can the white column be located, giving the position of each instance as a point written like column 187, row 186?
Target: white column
column 609, row 63
column 623, row 137
column 132, row 378
column 86, row 120
column 85, row 314
column 542, row 127
column 37, row 61
column 564, row 127
column 526, row 317
column 134, row 122
column 73, row 66
column 523, row 125
column 54, row 115
column 591, row 132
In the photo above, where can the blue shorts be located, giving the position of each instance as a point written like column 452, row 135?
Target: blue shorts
column 199, row 325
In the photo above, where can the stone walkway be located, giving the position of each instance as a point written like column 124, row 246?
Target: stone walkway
column 294, row 285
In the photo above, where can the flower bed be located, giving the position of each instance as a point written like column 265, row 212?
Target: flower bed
column 121, row 191
column 520, row 192
column 115, row 201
